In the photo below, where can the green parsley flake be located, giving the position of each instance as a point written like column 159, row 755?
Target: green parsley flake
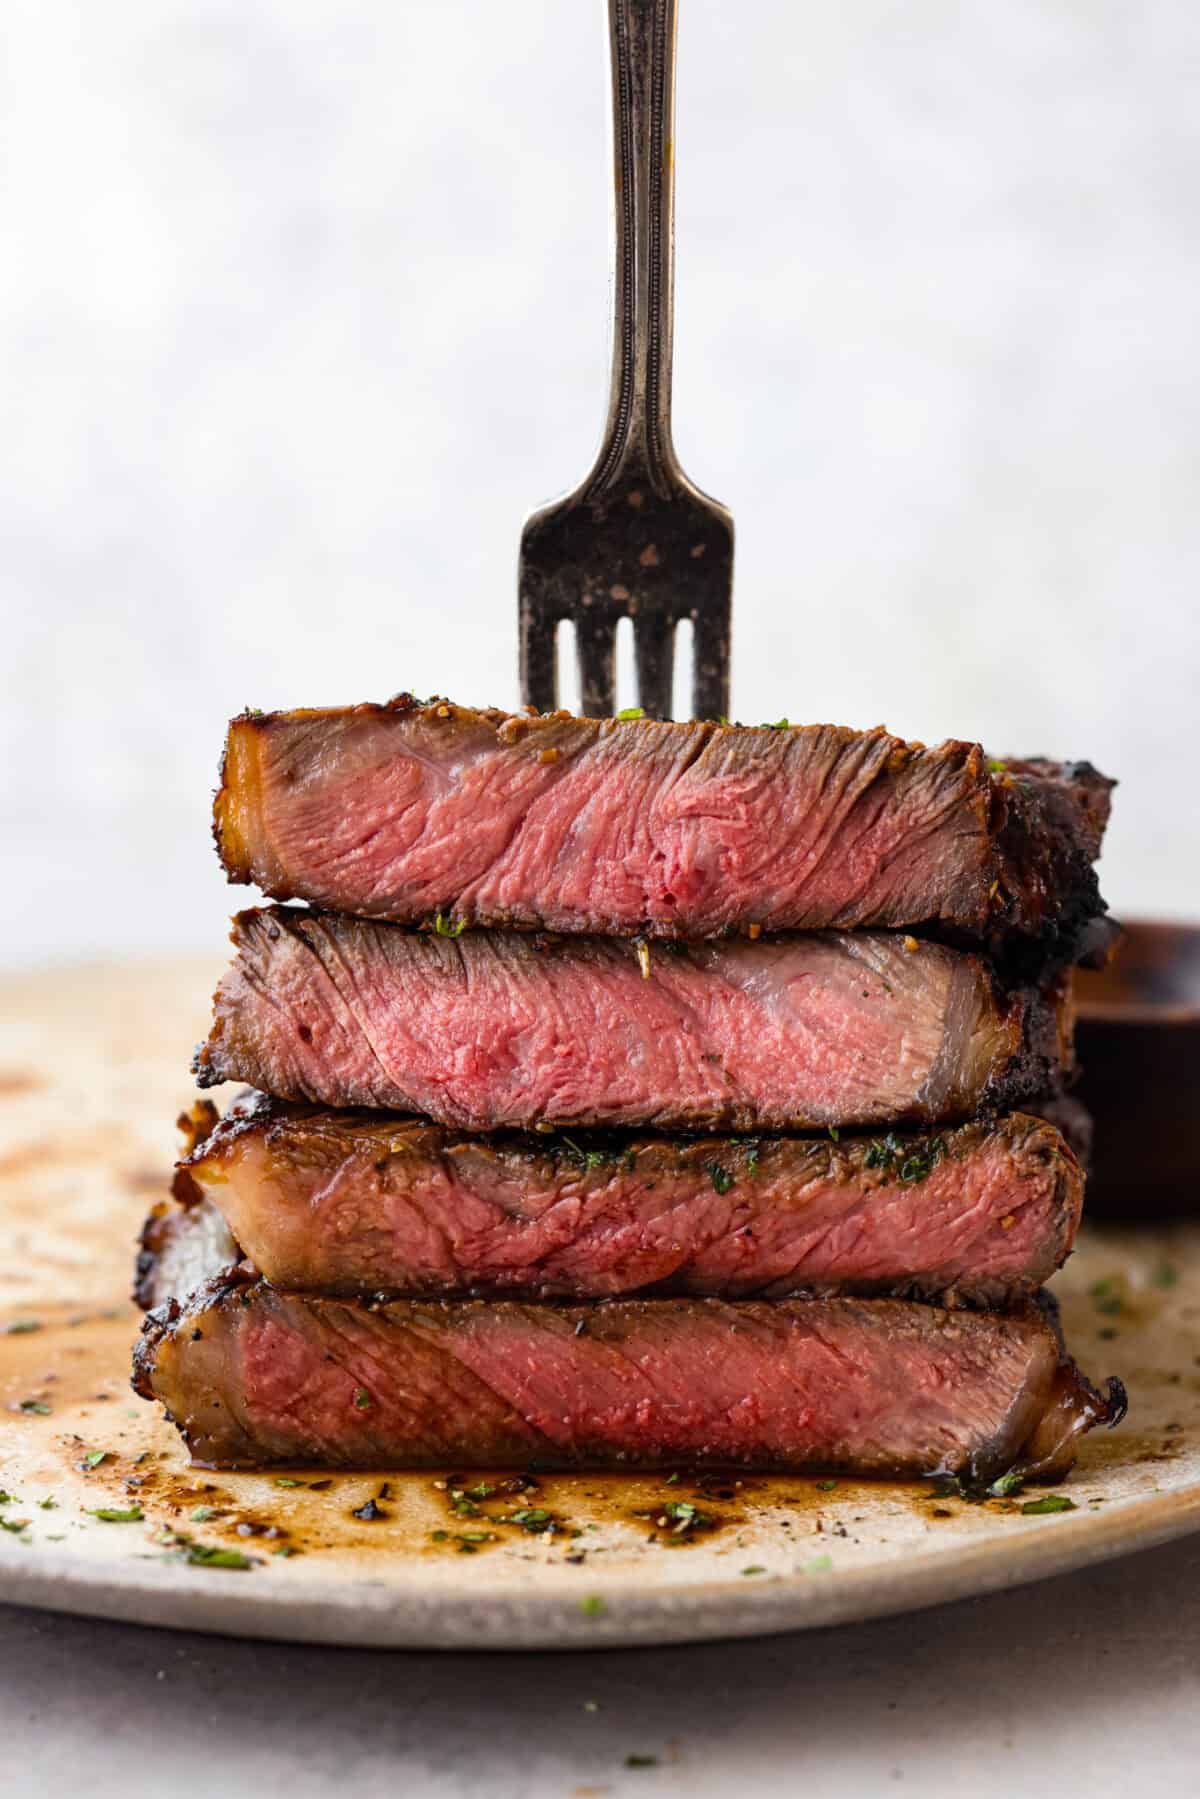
column 754, row 1569
column 202, row 1514
column 628, row 712
column 820, row 1564
column 108, row 1514
column 94, row 1457
column 285, row 1480
column 641, row 1761
column 720, row 1177
column 362, row 1398
column 21, row 1326
column 593, row 1606
column 1052, row 1502
column 36, row 1406
column 203, row 1555
column 1006, row 1485
column 444, row 928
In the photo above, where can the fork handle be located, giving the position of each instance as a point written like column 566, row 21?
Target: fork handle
column 637, row 435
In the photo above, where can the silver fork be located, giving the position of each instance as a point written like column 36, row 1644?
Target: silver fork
column 637, row 540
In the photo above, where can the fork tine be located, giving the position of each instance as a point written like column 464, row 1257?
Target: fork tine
column 710, row 671
column 654, row 649
column 539, row 661
column 595, row 647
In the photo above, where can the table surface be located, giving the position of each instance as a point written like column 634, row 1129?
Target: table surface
column 1085, row 1684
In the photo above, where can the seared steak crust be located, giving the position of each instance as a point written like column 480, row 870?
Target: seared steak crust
column 496, row 1029
column 368, row 1204
column 254, row 1376
column 625, row 827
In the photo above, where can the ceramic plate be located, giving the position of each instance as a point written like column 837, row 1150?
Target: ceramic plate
column 92, row 1074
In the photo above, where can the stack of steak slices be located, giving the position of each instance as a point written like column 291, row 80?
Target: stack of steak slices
column 632, row 1093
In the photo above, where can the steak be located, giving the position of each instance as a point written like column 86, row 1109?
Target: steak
column 367, row 1204
column 254, row 1376
column 626, row 827
column 496, row 1029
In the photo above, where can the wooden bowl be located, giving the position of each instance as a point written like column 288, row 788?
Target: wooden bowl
column 1139, row 1049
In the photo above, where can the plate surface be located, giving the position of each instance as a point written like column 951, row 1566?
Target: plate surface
column 93, row 1070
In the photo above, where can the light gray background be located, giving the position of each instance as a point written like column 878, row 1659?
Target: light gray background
column 1081, row 1688
column 303, row 304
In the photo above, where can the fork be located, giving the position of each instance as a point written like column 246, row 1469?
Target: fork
column 637, row 539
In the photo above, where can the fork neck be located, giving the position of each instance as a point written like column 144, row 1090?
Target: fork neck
column 637, row 437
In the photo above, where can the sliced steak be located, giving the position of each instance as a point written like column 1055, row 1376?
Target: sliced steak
column 496, row 1029
column 254, row 1376
column 362, row 1203
column 636, row 827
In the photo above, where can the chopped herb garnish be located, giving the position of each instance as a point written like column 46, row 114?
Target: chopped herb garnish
column 94, row 1457
column 49, row 1504
column 533, row 1519
column 593, row 1606
column 826, row 1486
column 285, row 1549
column 631, row 712
column 285, row 1480
column 108, row 1514
column 202, row 1514
column 910, row 1162
column 781, row 724
column 683, row 1518
column 641, row 1761
column 15, row 1525
column 754, row 1569
column 1052, row 1502
column 37, row 1406
column 820, row 1564
column 362, row 1398
column 1007, row 1485
column 720, row 1177
column 996, row 767
column 204, row 1555
column 673, row 1480
column 444, row 928
column 484, row 1490
column 20, row 1326
column 7, row 1498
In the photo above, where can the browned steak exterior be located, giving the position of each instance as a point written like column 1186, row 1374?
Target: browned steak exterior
column 253, row 1376
column 637, row 827
column 497, row 1029
column 368, row 1204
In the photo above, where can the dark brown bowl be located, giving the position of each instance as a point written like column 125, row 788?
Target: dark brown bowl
column 1139, row 1049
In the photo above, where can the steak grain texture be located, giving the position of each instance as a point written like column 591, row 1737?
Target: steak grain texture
column 361, row 1203
column 638, row 827
column 496, row 1029
column 254, row 1376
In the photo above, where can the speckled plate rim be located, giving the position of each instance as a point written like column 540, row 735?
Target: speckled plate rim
column 383, row 1615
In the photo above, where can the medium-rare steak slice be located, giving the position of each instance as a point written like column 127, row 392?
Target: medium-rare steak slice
column 495, row 1029
column 636, row 827
column 254, row 1376
column 363, row 1203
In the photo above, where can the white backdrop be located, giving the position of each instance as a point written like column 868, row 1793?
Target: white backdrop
column 303, row 305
